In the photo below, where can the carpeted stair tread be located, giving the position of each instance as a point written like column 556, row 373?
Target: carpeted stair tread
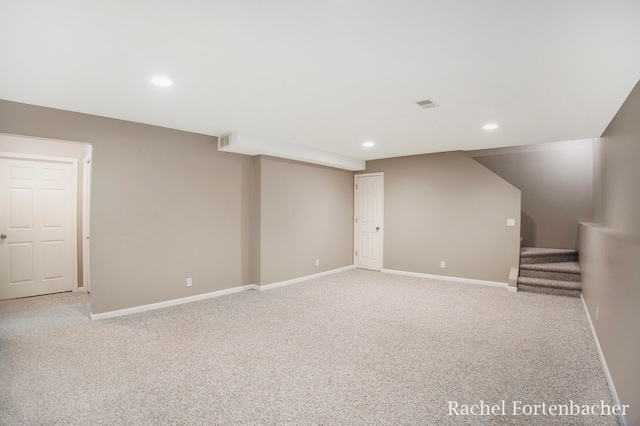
column 567, row 267
column 549, row 274
column 549, row 290
column 551, row 271
column 552, row 284
column 537, row 251
column 535, row 255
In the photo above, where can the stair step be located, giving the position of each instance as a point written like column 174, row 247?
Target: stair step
column 534, row 255
column 552, row 291
column 560, row 271
column 541, row 285
column 541, row 282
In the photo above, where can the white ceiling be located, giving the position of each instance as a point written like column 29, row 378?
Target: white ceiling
column 332, row 74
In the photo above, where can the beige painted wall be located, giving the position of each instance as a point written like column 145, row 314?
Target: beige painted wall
column 166, row 205
column 306, row 213
column 620, row 168
column 610, row 252
column 448, row 207
column 556, row 181
column 610, row 263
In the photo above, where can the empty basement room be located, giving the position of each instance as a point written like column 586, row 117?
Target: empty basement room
column 272, row 214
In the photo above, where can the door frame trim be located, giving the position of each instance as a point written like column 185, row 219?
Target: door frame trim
column 44, row 158
column 74, row 190
column 355, row 237
column 86, row 220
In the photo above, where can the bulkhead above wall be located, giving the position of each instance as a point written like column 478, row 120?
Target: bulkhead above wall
column 244, row 143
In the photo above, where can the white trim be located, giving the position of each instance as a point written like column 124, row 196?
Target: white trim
column 86, row 220
column 45, row 158
column 81, row 290
column 603, row 361
column 368, row 174
column 189, row 299
column 305, row 278
column 445, row 278
column 152, row 306
column 513, row 279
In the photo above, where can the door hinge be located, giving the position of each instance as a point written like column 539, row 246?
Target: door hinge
column 356, row 252
column 356, row 220
column 356, row 187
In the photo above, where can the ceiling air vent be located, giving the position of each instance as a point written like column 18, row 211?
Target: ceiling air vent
column 224, row 140
column 427, row 103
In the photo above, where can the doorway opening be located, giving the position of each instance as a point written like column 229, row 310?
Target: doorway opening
column 45, row 199
column 368, row 221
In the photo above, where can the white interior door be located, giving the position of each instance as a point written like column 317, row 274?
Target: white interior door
column 368, row 226
column 38, row 226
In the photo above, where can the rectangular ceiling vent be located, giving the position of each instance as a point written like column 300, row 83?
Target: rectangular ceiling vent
column 224, row 140
column 427, row 103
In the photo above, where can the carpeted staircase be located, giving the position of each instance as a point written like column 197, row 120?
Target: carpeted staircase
column 551, row 271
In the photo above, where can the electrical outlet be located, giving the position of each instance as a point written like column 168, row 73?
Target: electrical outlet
column 442, row 264
column 317, row 262
column 189, row 282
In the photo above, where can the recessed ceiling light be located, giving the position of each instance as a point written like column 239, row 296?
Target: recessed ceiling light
column 490, row 126
column 161, row 81
column 368, row 144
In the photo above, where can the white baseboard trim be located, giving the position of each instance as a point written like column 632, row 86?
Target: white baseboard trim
column 143, row 308
column 81, row 289
column 603, row 361
column 165, row 304
column 513, row 279
column 305, row 278
column 445, row 278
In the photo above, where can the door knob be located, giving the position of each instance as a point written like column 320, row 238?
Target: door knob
column 377, row 228
column 3, row 236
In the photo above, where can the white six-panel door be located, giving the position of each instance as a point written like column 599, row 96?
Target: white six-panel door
column 38, row 227
column 368, row 226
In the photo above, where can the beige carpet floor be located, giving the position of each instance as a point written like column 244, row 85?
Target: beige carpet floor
column 353, row 348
